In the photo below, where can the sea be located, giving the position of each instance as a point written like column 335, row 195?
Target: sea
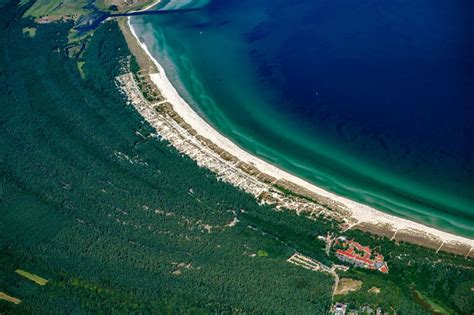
column 372, row 100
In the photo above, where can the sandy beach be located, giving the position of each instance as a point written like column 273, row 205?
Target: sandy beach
column 151, row 5
column 355, row 214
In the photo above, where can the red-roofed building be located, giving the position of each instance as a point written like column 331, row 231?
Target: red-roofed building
column 363, row 260
column 384, row 268
column 358, row 246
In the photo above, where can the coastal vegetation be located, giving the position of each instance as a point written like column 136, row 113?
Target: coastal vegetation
column 118, row 221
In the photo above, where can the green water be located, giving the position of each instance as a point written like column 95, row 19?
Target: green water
column 210, row 67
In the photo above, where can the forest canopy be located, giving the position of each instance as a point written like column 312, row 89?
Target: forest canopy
column 116, row 220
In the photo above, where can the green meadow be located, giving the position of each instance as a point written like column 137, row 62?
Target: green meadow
column 35, row 278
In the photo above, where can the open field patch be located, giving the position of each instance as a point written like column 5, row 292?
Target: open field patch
column 32, row 277
column 429, row 304
column 42, row 8
column 80, row 66
column 374, row 290
column 29, row 31
column 124, row 6
column 347, row 285
column 8, row 298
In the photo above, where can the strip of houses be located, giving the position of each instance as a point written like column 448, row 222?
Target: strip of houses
column 308, row 263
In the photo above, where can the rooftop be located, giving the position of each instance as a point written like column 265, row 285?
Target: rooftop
column 365, row 258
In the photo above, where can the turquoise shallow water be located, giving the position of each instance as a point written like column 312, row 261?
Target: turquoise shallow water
column 365, row 100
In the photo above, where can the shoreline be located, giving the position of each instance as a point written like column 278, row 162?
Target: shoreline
column 270, row 178
column 151, row 5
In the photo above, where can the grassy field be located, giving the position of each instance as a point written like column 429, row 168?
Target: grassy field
column 6, row 297
column 123, row 6
column 347, row 285
column 29, row 31
column 37, row 279
column 80, row 66
column 42, row 8
column 434, row 307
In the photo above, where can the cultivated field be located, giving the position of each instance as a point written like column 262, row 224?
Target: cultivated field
column 32, row 277
column 6, row 297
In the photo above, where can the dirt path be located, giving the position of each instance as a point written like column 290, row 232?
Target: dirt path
column 336, row 281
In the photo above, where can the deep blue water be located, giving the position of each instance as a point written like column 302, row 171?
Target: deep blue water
column 370, row 99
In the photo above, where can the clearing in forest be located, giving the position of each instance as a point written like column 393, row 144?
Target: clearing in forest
column 346, row 285
column 29, row 31
column 6, row 297
column 374, row 290
column 32, row 277
column 429, row 304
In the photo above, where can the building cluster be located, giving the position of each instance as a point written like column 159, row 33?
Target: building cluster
column 169, row 126
column 353, row 252
column 361, row 256
column 308, row 263
column 178, row 133
column 339, row 308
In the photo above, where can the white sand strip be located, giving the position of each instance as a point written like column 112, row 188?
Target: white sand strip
column 147, row 7
column 362, row 213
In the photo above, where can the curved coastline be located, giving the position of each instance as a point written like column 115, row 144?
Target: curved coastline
column 359, row 213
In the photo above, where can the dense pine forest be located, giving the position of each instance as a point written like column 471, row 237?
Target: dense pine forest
column 118, row 221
